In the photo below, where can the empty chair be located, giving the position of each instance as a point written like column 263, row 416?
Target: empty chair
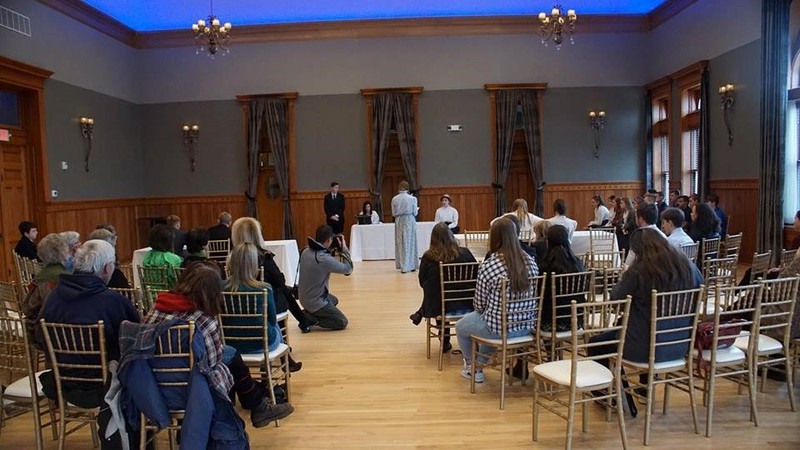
column 602, row 240
column 477, row 242
column 690, row 250
column 733, row 244
column 219, row 250
column 581, row 377
column 760, row 265
column 787, row 257
column 709, row 248
column 9, row 299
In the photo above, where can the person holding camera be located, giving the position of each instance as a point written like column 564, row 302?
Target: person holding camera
column 326, row 254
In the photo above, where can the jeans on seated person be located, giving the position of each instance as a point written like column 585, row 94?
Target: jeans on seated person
column 473, row 324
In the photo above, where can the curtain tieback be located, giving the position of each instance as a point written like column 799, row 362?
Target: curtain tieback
column 498, row 186
column 249, row 197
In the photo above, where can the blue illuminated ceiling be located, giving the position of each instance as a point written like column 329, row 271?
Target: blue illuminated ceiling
column 152, row 15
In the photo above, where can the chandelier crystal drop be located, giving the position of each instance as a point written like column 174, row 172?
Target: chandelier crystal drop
column 556, row 25
column 211, row 35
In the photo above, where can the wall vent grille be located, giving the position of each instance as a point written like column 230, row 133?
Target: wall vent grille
column 15, row 21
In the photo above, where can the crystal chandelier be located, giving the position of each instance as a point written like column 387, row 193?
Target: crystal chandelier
column 211, row 36
column 556, row 25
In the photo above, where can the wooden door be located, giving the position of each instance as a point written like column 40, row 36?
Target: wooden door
column 268, row 196
column 393, row 174
column 519, row 183
column 13, row 198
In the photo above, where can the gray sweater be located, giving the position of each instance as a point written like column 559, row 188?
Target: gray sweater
column 316, row 267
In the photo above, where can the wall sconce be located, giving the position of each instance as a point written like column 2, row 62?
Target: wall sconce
column 596, row 122
column 191, row 134
column 87, row 131
column 726, row 98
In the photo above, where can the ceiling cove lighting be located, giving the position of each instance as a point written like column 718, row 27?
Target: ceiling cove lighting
column 211, row 36
column 556, row 25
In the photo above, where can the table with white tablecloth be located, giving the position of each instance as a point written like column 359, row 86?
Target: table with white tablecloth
column 376, row 241
column 286, row 257
column 580, row 243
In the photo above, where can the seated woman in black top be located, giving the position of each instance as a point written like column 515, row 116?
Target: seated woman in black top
column 444, row 248
column 558, row 260
column 705, row 223
column 196, row 249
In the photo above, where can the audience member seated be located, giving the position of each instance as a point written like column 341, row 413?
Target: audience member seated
column 198, row 297
column 559, row 260
column 247, row 229
column 178, row 235
column 82, row 298
column 53, row 251
column 660, row 203
column 602, row 216
column 624, row 223
column 683, row 205
column 368, row 215
column 26, row 247
column 673, row 198
column 160, row 254
column 507, row 260
column 222, row 230
column 526, row 220
column 197, row 248
column 447, row 214
column 713, row 201
column 672, row 226
column 540, row 244
column 646, row 217
column 443, row 249
column 118, row 279
column 705, row 224
column 73, row 239
column 317, row 262
column 560, row 217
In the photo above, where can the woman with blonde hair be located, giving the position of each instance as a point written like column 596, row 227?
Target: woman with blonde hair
column 247, row 229
column 527, row 220
column 443, row 249
column 506, row 260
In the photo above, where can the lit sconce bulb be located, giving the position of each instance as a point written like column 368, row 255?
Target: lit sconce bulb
column 90, row 121
column 201, row 23
column 602, row 113
column 228, row 25
column 592, row 114
column 571, row 13
column 84, row 119
column 186, row 128
column 555, row 12
column 195, row 127
column 215, row 23
column 542, row 16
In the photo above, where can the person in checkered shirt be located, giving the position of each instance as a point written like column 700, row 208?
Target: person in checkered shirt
column 506, row 260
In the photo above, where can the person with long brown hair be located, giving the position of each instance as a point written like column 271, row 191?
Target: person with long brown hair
column 198, row 297
column 506, row 260
column 443, row 249
column 527, row 220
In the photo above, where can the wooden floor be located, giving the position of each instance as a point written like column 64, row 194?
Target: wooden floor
column 371, row 386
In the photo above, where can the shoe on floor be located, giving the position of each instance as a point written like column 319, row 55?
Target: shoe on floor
column 447, row 347
column 294, row 366
column 466, row 372
column 520, row 369
column 416, row 318
column 265, row 413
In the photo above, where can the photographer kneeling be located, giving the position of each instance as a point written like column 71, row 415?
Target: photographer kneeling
column 317, row 263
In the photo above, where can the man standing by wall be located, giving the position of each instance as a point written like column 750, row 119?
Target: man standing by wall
column 334, row 209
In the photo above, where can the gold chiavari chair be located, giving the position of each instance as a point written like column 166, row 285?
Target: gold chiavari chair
column 527, row 236
column 127, row 270
column 156, row 277
column 9, row 299
column 561, row 289
column 517, row 311
column 77, row 355
column 602, row 240
column 135, row 297
column 24, row 393
column 219, row 250
column 718, row 272
column 709, row 248
column 457, row 285
column 690, row 250
column 581, row 374
column 774, row 330
column 149, row 298
column 26, row 270
column 733, row 244
column 477, row 242
column 601, row 316
column 174, row 350
column 787, row 256
column 673, row 322
column 243, row 323
column 760, row 265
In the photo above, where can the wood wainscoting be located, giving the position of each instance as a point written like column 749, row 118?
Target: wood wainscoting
column 738, row 197
column 578, row 197
column 125, row 215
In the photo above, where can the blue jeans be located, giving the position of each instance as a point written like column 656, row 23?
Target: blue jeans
column 473, row 325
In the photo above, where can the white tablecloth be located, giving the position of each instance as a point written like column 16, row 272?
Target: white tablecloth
column 286, row 257
column 373, row 242
column 581, row 242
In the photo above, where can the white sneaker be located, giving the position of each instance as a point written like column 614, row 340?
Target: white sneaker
column 466, row 372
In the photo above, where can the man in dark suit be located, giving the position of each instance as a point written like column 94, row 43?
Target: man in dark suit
column 334, row 209
column 26, row 246
column 222, row 230
column 179, row 236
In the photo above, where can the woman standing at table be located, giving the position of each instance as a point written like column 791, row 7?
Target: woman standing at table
column 247, row 229
column 404, row 210
column 447, row 214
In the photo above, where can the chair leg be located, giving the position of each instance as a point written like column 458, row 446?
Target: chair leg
column 570, row 417
column 37, row 422
column 428, row 335
column 441, row 344
column 648, row 414
column 710, row 402
column 53, row 420
column 62, row 425
column 692, row 402
column 472, row 367
column 751, row 382
column 143, row 432
column 790, row 382
column 763, row 378
column 503, row 376
column 535, row 415
column 584, row 414
column 95, row 434
column 621, row 415
column 666, row 397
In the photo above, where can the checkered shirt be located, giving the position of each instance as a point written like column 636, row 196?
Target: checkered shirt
column 487, row 294
column 219, row 377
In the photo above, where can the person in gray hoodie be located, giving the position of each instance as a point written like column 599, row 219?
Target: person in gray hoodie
column 326, row 254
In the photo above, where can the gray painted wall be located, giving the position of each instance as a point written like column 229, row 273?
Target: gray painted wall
column 115, row 166
column 741, row 67
column 220, row 155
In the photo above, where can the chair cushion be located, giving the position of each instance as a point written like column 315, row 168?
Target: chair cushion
column 511, row 341
column 22, row 388
column 258, row 357
column 766, row 344
column 675, row 364
column 724, row 355
column 282, row 316
column 590, row 373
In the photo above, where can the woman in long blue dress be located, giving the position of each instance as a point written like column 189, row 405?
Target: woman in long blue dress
column 404, row 210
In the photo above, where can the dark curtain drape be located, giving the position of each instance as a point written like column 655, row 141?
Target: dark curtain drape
column 257, row 110
column 648, row 142
column 533, row 141
column 405, row 123
column 506, row 112
column 277, row 121
column 774, row 72
column 381, row 125
column 704, row 157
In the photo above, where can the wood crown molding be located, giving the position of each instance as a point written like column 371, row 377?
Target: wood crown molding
column 286, row 95
column 596, row 185
column 734, row 183
column 360, row 29
column 409, row 90
column 22, row 74
column 504, row 87
column 682, row 76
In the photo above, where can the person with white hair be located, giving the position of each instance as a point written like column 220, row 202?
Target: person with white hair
column 118, row 279
column 53, row 251
column 82, row 298
column 73, row 239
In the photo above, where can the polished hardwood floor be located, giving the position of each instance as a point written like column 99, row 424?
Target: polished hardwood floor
column 371, row 386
